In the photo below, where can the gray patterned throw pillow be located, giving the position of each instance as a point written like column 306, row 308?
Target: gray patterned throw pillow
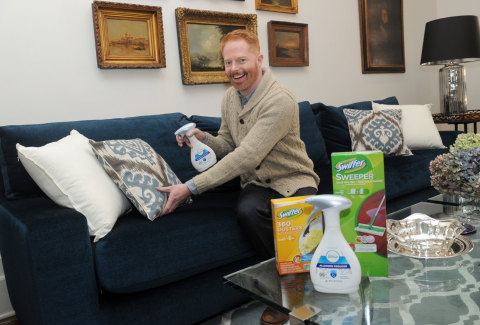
column 377, row 130
column 137, row 170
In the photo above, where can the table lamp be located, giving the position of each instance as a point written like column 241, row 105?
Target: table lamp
column 451, row 41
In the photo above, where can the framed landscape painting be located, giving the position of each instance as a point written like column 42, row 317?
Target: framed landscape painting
column 288, row 6
column 381, row 35
column 128, row 36
column 199, row 36
column 287, row 44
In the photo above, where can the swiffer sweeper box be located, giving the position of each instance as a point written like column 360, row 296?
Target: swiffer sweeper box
column 360, row 177
column 297, row 229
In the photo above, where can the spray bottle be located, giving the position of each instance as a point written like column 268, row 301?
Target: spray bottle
column 201, row 155
column 334, row 267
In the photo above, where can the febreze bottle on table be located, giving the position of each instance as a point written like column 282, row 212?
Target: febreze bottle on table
column 334, row 267
column 202, row 156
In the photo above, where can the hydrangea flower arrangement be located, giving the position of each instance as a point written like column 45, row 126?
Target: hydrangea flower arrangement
column 466, row 141
column 458, row 172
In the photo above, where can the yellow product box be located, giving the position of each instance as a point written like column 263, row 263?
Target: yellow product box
column 297, row 230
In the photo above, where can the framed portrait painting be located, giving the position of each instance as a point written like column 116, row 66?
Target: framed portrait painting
column 128, row 35
column 381, row 36
column 287, row 6
column 287, row 44
column 199, row 36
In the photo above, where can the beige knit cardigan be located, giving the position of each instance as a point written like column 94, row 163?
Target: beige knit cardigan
column 261, row 142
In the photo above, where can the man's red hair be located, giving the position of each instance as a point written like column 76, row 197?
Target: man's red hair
column 246, row 35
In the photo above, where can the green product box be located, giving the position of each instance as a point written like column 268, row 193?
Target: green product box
column 360, row 177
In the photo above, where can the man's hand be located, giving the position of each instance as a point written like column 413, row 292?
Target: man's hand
column 177, row 194
column 199, row 134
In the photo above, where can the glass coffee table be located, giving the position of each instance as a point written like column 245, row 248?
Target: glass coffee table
column 417, row 291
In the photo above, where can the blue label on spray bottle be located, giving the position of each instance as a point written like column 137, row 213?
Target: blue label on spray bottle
column 333, row 261
column 202, row 156
column 342, row 263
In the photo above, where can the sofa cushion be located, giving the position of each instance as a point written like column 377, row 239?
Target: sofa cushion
column 156, row 130
column 407, row 174
column 138, row 254
column 69, row 173
column 333, row 123
column 418, row 127
column 377, row 130
column 137, row 170
column 312, row 136
column 207, row 123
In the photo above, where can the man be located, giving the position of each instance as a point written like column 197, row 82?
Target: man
column 258, row 140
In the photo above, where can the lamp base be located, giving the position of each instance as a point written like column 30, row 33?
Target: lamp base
column 453, row 89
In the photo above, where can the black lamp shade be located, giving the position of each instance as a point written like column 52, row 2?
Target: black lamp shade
column 452, row 39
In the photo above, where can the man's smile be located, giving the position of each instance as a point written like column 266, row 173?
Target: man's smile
column 238, row 76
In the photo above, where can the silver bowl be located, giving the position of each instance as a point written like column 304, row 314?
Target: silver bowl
column 423, row 235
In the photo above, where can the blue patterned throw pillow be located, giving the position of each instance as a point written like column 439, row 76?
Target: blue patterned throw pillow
column 137, row 170
column 377, row 130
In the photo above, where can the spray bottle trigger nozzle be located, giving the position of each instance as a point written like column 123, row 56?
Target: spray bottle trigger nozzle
column 184, row 129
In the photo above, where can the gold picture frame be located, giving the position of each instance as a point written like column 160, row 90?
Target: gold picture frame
column 199, row 35
column 381, row 36
column 287, row 6
column 128, row 35
column 287, row 44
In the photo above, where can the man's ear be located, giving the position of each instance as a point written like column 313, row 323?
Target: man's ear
column 260, row 59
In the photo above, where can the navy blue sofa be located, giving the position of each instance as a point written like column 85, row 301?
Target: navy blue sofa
column 168, row 271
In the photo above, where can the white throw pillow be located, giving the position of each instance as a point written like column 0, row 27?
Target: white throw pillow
column 419, row 130
column 70, row 174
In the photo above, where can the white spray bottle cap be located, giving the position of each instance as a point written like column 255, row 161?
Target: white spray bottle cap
column 184, row 129
column 327, row 202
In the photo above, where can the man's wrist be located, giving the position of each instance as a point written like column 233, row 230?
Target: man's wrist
column 191, row 186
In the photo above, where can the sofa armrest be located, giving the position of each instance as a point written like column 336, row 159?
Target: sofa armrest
column 449, row 137
column 48, row 262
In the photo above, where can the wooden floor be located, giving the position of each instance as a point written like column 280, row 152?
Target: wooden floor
column 10, row 321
